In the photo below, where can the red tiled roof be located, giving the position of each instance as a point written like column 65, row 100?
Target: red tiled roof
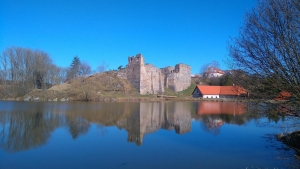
column 232, row 90
column 284, row 95
column 209, row 90
column 222, row 90
column 228, row 90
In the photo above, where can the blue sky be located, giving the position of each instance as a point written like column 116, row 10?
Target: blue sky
column 166, row 32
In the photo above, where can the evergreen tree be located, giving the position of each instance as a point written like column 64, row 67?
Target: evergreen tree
column 75, row 67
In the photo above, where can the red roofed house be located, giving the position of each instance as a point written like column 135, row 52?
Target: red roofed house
column 207, row 91
column 284, row 95
column 214, row 72
column 219, row 92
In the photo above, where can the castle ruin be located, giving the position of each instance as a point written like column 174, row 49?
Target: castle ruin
column 152, row 116
column 148, row 79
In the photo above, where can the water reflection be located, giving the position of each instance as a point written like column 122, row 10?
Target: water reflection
column 231, row 108
column 25, row 125
column 153, row 116
column 216, row 114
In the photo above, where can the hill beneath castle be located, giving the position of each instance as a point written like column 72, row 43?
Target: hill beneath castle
column 106, row 86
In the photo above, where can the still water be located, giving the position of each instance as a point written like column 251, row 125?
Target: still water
column 139, row 135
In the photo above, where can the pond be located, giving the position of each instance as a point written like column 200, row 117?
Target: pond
column 140, row 135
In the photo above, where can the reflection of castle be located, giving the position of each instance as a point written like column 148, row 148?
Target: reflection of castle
column 28, row 125
column 155, row 115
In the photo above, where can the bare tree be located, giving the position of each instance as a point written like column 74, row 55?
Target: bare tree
column 53, row 75
column 17, row 74
column 204, row 67
column 103, row 67
column 24, row 70
column 43, row 65
column 63, row 74
column 85, row 68
column 204, row 73
column 267, row 52
column 4, row 73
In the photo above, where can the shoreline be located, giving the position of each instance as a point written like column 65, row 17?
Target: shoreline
column 135, row 99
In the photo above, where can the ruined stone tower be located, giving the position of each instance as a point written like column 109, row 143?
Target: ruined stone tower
column 147, row 79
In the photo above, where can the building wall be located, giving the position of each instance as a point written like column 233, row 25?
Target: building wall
column 151, row 80
column 182, row 77
column 166, row 71
column 228, row 96
column 215, row 75
column 148, row 79
column 196, row 93
column 210, row 96
column 133, row 70
column 177, row 79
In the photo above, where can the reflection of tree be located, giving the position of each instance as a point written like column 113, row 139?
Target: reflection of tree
column 102, row 129
column 133, row 127
column 273, row 115
column 276, row 113
column 26, row 130
column 78, row 126
column 212, row 125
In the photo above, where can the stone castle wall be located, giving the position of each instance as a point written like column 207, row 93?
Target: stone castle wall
column 151, row 80
column 148, row 79
column 178, row 78
column 133, row 70
column 182, row 77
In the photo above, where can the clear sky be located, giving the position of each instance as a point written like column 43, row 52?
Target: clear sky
column 166, row 32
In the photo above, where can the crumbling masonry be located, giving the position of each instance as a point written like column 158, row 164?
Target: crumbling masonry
column 148, row 79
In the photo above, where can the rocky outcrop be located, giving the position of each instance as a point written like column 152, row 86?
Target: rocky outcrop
column 291, row 139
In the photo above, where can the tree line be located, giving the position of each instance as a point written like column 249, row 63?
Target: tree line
column 24, row 69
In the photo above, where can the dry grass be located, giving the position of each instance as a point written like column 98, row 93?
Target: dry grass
column 95, row 87
column 101, row 86
column 60, row 87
